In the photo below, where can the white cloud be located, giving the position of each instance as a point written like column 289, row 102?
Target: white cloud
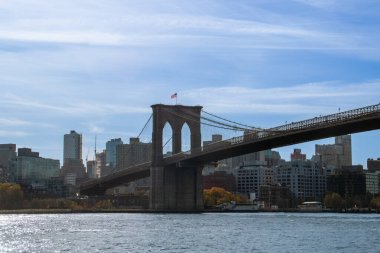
column 76, row 37
column 318, row 3
column 138, row 27
column 13, row 122
column 315, row 98
column 13, row 134
column 95, row 129
column 78, row 108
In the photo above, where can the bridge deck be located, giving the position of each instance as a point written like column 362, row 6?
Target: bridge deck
column 354, row 121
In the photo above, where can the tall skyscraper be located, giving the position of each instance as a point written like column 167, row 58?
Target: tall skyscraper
column 72, row 146
column 111, row 152
column 304, row 178
column 73, row 171
column 336, row 155
column 345, row 142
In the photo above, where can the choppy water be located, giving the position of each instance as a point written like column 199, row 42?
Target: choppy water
column 209, row 232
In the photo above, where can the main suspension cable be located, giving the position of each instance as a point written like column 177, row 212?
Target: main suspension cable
column 203, row 123
column 233, row 122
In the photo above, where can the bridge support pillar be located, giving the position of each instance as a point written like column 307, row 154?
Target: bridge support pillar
column 176, row 188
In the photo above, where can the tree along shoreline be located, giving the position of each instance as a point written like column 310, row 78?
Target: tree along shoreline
column 129, row 210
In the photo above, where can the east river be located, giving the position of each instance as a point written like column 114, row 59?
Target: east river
column 207, row 232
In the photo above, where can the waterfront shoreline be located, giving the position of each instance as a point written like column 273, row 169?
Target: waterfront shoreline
column 68, row 211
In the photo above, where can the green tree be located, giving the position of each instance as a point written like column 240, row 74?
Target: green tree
column 375, row 203
column 334, row 201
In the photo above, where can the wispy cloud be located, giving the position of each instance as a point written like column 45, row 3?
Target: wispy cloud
column 78, row 108
column 138, row 27
column 13, row 134
column 318, row 3
column 309, row 98
column 74, row 37
column 13, row 122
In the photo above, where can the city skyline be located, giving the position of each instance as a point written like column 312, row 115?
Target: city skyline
column 97, row 67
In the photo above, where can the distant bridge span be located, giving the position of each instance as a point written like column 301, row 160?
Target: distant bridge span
column 349, row 122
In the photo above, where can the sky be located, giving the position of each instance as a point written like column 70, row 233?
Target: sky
column 97, row 66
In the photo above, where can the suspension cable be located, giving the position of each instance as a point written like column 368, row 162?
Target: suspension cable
column 151, row 115
column 166, row 143
column 233, row 122
column 223, row 124
column 203, row 123
column 136, row 139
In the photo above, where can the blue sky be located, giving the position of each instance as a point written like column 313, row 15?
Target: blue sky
column 97, row 66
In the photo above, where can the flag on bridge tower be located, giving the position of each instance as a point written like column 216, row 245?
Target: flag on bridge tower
column 174, row 96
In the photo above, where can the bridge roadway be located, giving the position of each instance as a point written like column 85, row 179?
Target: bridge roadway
column 354, row 121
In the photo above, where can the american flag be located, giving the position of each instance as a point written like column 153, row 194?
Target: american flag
column 174, row 95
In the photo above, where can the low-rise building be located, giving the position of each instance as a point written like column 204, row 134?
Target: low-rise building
column 372, row 182
column 28, row 168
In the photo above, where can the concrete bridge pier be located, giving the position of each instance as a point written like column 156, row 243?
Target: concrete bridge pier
column 176, row 188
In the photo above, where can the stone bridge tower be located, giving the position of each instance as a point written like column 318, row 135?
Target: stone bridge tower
column 176, row 187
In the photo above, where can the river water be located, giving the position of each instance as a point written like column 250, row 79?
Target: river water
column 207, row 232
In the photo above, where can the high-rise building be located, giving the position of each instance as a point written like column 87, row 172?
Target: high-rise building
column 336, row 155
column 91, row 169
column 111, row 152
column 73, row 171
column 101, row 164
column 305, row 179
column 373, row 165
column 345, row 142
column 250, row 176
column 72, row 146
column 133, row 153
column 7, row 153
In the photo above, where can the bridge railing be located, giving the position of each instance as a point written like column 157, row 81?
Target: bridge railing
column 260, row 134
column 332, row 118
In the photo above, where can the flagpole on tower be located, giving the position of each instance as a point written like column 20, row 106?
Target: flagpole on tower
column 174, row 96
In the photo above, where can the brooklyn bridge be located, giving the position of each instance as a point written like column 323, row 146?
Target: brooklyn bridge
column 177, row 179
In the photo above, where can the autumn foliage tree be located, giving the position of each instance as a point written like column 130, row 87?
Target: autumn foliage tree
column 217, row 196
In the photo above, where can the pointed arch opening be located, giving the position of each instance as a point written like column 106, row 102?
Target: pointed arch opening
column 186, row 138
column 167, row 140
